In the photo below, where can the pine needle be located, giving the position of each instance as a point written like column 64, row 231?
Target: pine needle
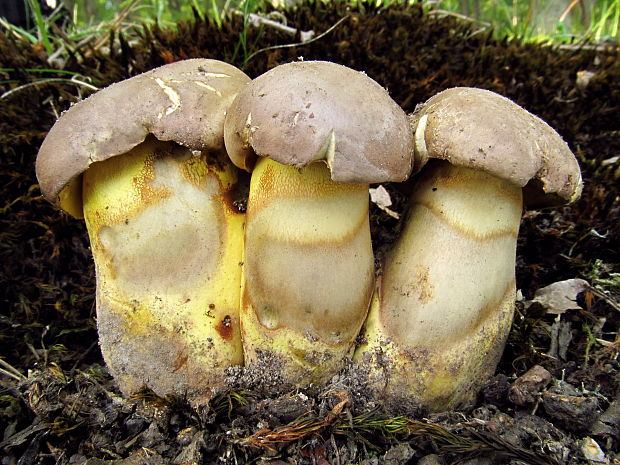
column 468, row 442
column 307, row 424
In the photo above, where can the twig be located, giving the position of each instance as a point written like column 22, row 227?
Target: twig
column 47, row 81
column 320, row 36
column 568, row 10
column 116, row 24
column 463, row 17
column 9, row 374
column 590, row 47
column 299, row 428
column 257, row 20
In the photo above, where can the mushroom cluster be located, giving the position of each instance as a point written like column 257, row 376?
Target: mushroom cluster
column 188, row 285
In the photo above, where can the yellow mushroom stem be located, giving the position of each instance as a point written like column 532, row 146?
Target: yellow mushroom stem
column 167, row 245
column 308, row 269
column 443, row 308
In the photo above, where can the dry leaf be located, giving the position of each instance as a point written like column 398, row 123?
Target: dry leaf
column 559, row 297
column 381, row 197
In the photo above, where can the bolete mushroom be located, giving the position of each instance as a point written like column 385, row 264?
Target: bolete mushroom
column 143, row 161
column 444, row 305
column 321, row 132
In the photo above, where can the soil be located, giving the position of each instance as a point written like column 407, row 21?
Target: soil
column 554, row 398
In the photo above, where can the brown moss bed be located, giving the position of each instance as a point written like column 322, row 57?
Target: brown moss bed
column 60, row 406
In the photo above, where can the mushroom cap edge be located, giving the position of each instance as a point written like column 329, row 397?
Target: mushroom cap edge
column 302, row 112
column 184, row 102
column 480, row 129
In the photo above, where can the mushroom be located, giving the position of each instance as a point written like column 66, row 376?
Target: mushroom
column 321, row 133
column 144, row 162
column 444, row 304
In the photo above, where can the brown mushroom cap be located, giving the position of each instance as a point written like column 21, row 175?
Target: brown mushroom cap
column 480, row 129
column 302, row 112
column 184, row 102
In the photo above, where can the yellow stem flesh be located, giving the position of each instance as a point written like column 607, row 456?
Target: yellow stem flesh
column 442, row 311
column 167, row 245
column 308, row 269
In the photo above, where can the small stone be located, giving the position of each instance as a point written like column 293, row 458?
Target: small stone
column 288, row 407
column 575, row 413
column 191, row 453
column 135, row 425
column 432, row 459
column 609, row 422
column 592, row 451
column 398, row 454
column 77, row 459
column 526, row 389
column 151, row 437
column 482, row 460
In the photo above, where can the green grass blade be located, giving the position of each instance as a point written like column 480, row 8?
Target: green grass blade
column 215, row 14
column 18, row 31
column 41, row 24
column 41, row 70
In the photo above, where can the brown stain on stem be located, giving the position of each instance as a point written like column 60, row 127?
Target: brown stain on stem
column 180, row 361
column 421, row 284
column 469, row 233
column 225, row 328
column 143, row 184
column 283, row 181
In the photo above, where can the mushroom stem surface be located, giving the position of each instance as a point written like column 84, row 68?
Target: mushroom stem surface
column 443, row 307
column 308, row 269
column 167, row 243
